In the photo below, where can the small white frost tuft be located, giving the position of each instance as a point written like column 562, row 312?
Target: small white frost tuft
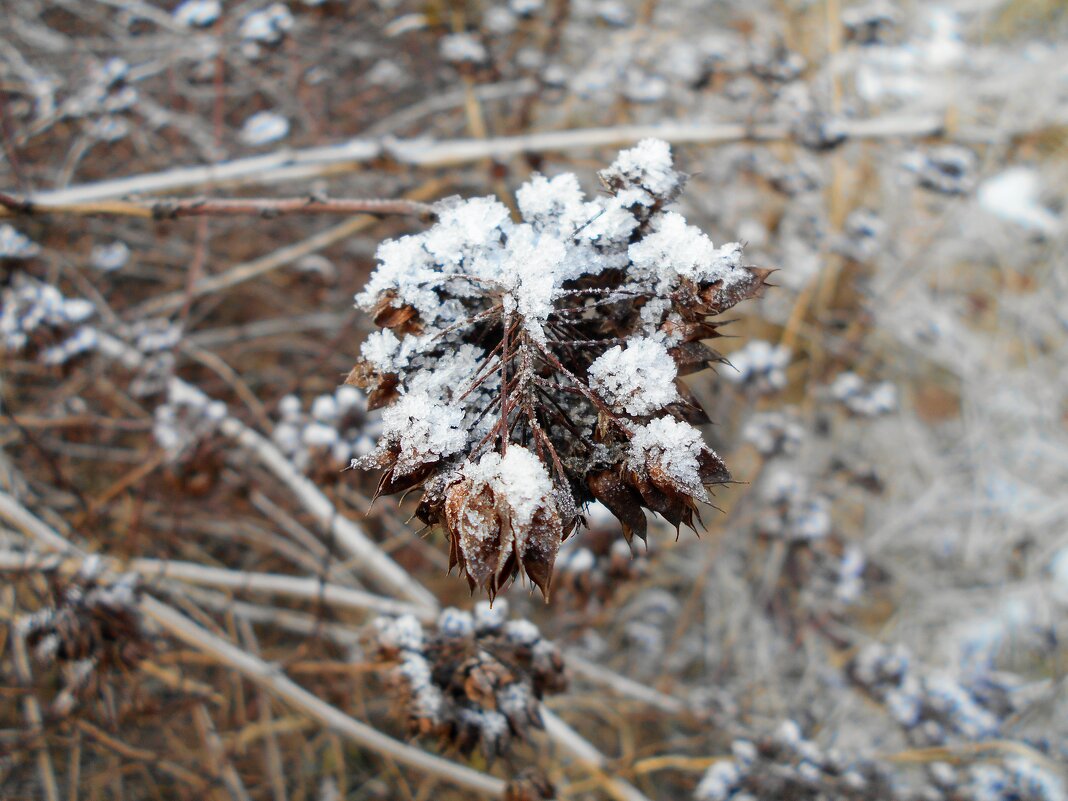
column 198, row 13
column 264, row 127
column 638, row 379
column 673, row 446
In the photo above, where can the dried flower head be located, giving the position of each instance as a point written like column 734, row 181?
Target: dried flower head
column 94, row 626
column 473, row 681
column 529, row 368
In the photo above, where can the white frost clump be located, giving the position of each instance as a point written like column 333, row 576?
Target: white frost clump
column 28, row 305
column 459, row 48
column 268, row 25
column 16, row 245
column 519, row 477
column 109, row 258
column 424, row 429
column 335, row 426
column 185, row 419
column 264, row 127
column 688, row 252
column 671, row 446
column 648, row 165
column 198, row 13
column 864, row 399
column 1014, row 195
column 638, row 379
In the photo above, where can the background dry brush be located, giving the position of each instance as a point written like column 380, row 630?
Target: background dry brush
column 199, row 601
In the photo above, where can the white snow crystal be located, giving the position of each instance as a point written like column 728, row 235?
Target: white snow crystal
column 648, row 165
column 424, row 429
column 673, row 446
column 678, row 249
column 519, row 477
column 639, row 379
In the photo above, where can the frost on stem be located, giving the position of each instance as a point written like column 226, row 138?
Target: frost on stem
column 528, row 368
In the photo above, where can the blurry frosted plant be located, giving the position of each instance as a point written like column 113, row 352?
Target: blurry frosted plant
column 794, row 512
column 862, row 236
column 760, row 366
column 336, row 427
column 1016, row 779
column 932, row 706
column 862, row 398
column 186, row 418
column 774, row 433
column 35, row 315
column 461, row 48
column 94, row 625
column 528, row 368
column 473, row 680
column 15, row 245
column 949, row 169
column 786, row 765
column 268, row 26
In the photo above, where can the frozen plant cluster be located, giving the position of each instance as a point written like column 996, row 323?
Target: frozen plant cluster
column 35, row 314
column 759, row 365
column 475, row 679
column 862, row 398
column 186, row 418
column 529, row 368
column 932, row 706
column 335, row 428
column 93, row 625
column 787, row 765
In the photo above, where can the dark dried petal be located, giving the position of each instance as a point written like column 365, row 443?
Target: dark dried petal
column 620, row 500
column 711, row 468
column 693, row 357
column 539, row 547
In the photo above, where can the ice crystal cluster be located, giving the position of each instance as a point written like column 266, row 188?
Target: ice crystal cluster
column 530, row 367
column 472, row 680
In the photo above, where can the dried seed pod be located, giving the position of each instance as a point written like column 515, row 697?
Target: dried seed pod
column 524, row 368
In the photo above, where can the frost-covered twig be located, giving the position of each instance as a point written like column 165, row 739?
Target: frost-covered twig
column 305, row 588
column 177, row 208
column 293, row 165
